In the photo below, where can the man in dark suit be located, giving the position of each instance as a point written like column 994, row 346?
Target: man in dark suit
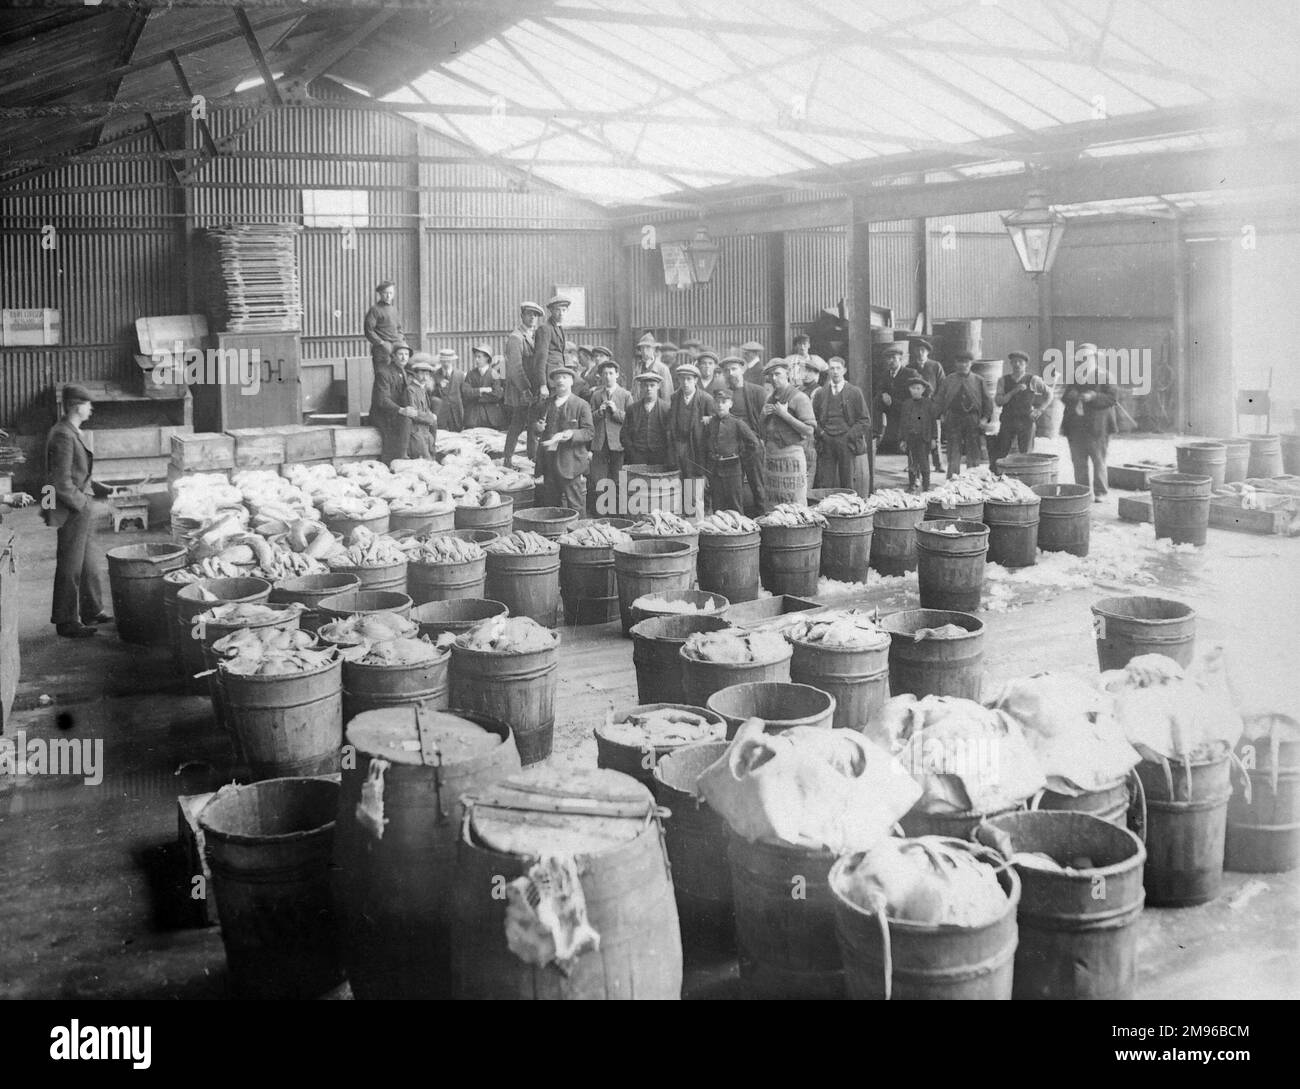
column 566, row 435
column 645, row 431
column 609, row 406
column 390, row 401
column 523, row 384
column 843, row 428
column 68, row 504
column 1089, row 419
column 451, row 385
column 891, row 392
column 748, row 400
column 481, row 392
column 551, row 346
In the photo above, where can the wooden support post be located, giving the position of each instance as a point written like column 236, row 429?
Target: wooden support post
column 424, row 281
column 858, row 311
column 624, row 348
column 1182, row 336
column 776, row 247
column 922, row 243
column 254, row 47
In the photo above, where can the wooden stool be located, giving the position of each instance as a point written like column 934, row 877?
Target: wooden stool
column 128, row 510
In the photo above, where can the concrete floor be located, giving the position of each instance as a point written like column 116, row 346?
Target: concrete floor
column 93, row 888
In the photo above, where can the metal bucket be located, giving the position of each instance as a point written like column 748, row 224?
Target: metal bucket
column 938, row 667
column 656, row 653
column 950, row 567
column 1127, row 627
column 781, row 706
column 135, row 580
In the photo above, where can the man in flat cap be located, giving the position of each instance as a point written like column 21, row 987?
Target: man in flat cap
column 711, row 377
column 932, row 371
column 610, row 403
column 803, row 362
column 891, row 392
column 747, row 406
column 390, row 400
column 648, row 361
column 451, row 387
column 645, row 433
column 688, row 411
column 70, row 507
column 788, row 423
column 422, row 389
column 964, row 404
column 481, row 391
column 383, row 324
column 551, row 349
column 692, row 346
column 843, row 428
column 1023, row 397
column 752, row 354
column 523, row 383
column 566, row 436
column 1089, row 400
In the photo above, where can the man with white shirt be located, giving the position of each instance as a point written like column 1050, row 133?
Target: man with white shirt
column 843, row 428
column 566, row 436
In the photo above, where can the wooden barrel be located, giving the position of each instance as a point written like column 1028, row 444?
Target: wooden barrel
column 696, row 838
column 950, row 566
column 268, row 846
column 1203, row 459
column 1265, row 456
column 1186, row 830
column 1126, row 627
column 965, row 512
column 1264, row 833
column 1290, row 454
column 1031, row 469
column 474, row 536
column 342, row 527
column 358, row 602
column 208, row 630
column 517, row 687
column 1078, row 938
column 1236, row 459
column 135, row 581
column 445, row 581
column 701, row 679
column 786, row 943
column 656, row 653
column 893, row 541
column 497, row 518
column 1064, row 518
column 651, row 566
column 173, row 583
column 938, row 667
column 549, row 522
column 1180, row 506
column 437, row 617
column 945, row 962
column 858, row 678
column 1109, row 802
column 648, row 488
column 526, row 585
column 521, row 497
column 790, row 559
column 846, row 546
column 961, row 825
column 781, row 705
column 1013, row 532
column 289, row 723
column 429, row 522
column 640, row 760
column 588, row 584
column 378, row 687
column 671, row 602
column 199, row 597
column 394, row 889
column 623, row 872
column 309, row 591
column 959, row 336
column 728, row 565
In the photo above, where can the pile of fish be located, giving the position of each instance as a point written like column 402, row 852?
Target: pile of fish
column 285, row 564
column 965, row 488
column 486, row 499
column 438, row 550
column 428, row 505
column 792, row 514
column 896, row 499
column 846, row 628
column 662, row 523
column 588, row 534
column 265, row 652
column 210, row 568
column 736, row 647
column 367, row 549
column 512, row 635
column 522, row 543
column 361, row 510
column 401, row 650
column 727, row 523
column 366, row 628
column 943, row 631
column 247, row 612
column 1008, row 489
column 657, row 603
column 844, row 505
column 662, row 727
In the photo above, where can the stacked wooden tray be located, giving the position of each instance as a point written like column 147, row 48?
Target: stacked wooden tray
column 259, row 272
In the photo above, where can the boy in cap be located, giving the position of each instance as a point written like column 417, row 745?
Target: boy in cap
column 566, row 436
column 711, row 378
column 610, row 404
column 383, row 324
column 422, row 389
column 451, row 385
column 645, row 434
column 390, row 401
column 481, row 392
column 728, row 443
column 917, row 421
column 964, row 404
column 69, row 468
column 932, row 371
column 1089, row 420
column 1022, row 397
column 523, row 384
column 688, row 411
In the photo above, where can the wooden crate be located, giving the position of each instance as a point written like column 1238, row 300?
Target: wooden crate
column 357, row 442
column 1226, row 512
column 203, row 451
column 258, row 447
column 305, row 444
column 1133, row 477
column 124, row 442
column 110, row 470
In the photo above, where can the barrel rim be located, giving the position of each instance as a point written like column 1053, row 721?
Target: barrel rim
column 306, row 782
column 834, row 649
column 1134, row 861
column 656, row 638
column 399, row 667
column 461, row 601
column 721, row 746
column 933, row 615
column 206, row 584
column 1015, row 502
column 789, row 651
column 659, row 750
column 1105, row 607
column 977, row 529
column 287, row 585
column 498, row 726
column 548, row 514
column 493, row 654
column 789, row 722
column 1082, row 491
column 335, row 662
column 324, row 606
column 170, row 551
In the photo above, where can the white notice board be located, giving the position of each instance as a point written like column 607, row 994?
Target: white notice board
column 677, row 264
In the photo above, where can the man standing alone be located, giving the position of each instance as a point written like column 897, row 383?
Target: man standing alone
column 843, row 428
column 524, row 387
column 78, row 589
column 1089, row 419
column 1022, row 397
column 964, row 404
column 566, row 436
column 609, row 407
column 383, row 324
column 390, row 402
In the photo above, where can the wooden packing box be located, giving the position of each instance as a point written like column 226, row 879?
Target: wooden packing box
column 1133, row 477
column 303, row 443
column 258, row 447
column 744, row 614
column 131, row 442
column 357, row 442
column 203, row 451
column 1226, row 512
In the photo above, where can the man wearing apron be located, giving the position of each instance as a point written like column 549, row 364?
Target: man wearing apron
column 788, row 422
column 1022, row 397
